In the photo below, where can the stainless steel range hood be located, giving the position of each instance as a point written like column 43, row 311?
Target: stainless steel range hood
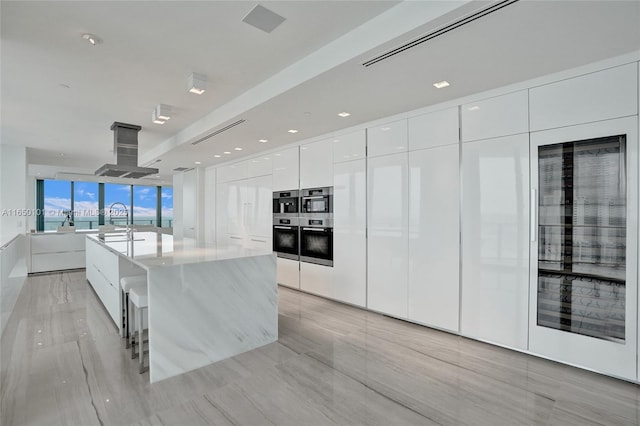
column 125, row 148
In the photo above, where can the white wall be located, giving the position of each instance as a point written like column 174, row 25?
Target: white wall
column 13, row 185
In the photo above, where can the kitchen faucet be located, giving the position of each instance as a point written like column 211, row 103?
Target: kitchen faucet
column 128, row 231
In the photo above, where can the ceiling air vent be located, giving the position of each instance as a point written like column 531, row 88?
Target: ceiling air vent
column 182, row 169
column 217, row 132
column 263, row 19
column 443, row 30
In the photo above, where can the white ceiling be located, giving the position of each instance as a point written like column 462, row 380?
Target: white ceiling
column 150, row 48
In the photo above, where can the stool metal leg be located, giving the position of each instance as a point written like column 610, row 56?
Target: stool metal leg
column 140, row 339
column 132, row 331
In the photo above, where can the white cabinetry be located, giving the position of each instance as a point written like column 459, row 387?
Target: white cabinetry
column 389, row 138
column 602, row 95
column 351, row 146
column 288, row 272
column 433, row 129
column 286, row 169
column 210, row 206
column 54, row 252
column 387, row 203
column 316, row 279
column 231, row 172
column 222, row 196
column 434, row 237
column 349, row 233
column 260, row 166
column 103, row 275
column 495, row 240
column 494, row 117
column 316, row 164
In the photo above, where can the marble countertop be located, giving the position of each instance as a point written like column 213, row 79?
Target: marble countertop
column 154, row 249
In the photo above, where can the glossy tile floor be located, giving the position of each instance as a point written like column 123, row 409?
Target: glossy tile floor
column 64, row 364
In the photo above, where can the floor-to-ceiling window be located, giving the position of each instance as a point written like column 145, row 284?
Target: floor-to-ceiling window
column 166, row 200
column 117, row 204
column 85, row 205
column 145, row 205
column 57, row 206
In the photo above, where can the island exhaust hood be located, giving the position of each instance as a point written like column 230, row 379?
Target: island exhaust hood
column 125, row 149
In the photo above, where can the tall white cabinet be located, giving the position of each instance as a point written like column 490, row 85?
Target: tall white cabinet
column 388, row 251
column 316, row 164
column 433, row 289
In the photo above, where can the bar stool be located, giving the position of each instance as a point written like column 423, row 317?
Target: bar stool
column 126, row 284
column 139, row 298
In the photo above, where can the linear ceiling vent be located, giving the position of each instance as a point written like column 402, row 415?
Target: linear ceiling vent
column 182, row 169
column 443, row 30
column 217, row 132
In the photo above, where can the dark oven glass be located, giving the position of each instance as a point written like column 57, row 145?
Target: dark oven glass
column 285, row 239
column 317, row 242
column 285, row 205
column 316, row 205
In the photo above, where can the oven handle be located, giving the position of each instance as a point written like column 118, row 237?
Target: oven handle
column 316, row 229
column 313, row 197
column 283, row 227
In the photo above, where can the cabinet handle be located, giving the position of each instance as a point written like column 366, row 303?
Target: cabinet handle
column 235, row 238
column 258, row 241
column 533, row 207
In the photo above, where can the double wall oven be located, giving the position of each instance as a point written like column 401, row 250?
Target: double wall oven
column 303, row 225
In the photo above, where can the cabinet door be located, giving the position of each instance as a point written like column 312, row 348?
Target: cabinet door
column 316, row 164
column 236, row 207
column 495, row 236
column 210, row 207
column 434, row 196
column 584, row 284
column 260, row 166
column 389, row 138
column 259, row 206
column 387, row 188
column 349, row 147
column 494, row 117
column 436, row 128
column 286, row 167
column 349, row 232
column 222, row 220
column 189, row 204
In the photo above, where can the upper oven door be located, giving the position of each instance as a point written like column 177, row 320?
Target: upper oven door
column 316, row 245
column 285, row 241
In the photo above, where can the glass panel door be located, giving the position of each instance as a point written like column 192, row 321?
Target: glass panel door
column 584, row 245
column 582, row 234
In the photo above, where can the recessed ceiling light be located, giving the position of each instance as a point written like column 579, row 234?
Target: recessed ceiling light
column 238, row 149
column 157, row 175
column 441, row 84
column 163, row 112
column 385, row 129
column 344, row 114
column 198, row 162
column 62, row 154
column 227, row 152
column 263, row 140
column 292, row 131
column 474, row 108
column 92, row 38
column 217, row 156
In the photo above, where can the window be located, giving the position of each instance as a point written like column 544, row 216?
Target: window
column 57, row 204
column 167, row 207
column 61, row 202
column 145, row 205
column 85, row 205
column 115, row 196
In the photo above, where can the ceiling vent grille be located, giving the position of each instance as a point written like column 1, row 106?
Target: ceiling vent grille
column 217, row 132
column 443, row 30
column 182, row 169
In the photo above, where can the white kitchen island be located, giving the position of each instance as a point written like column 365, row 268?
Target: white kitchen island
column 205, row 305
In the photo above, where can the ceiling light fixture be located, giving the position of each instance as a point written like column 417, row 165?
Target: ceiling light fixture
column 474, row 108
column 227, row 152
column 292, row 131
column 92, row 38
column 441, row 84
column 263, row 140
column 198, row 162
column 238, row 149
column 344, row 114
column 163, row 112
column 155, row 119
column 197, row 83
column 217, row 156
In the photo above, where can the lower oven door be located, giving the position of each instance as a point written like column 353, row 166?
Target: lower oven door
column 285, row 241
column 316, row 245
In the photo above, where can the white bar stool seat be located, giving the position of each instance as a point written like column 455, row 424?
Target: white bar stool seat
column 126, row 283
column 139, row 298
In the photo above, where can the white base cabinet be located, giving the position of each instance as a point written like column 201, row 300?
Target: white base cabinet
column 103, row 275
column 288, row 273
column 316, row 279
column 495, row 240
column 55, row 252
column 434, row 237
column 388, row 241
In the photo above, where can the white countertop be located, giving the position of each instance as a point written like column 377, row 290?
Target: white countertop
column 154, row 249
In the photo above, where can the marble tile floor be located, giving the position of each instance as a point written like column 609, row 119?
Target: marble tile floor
column 64, row 364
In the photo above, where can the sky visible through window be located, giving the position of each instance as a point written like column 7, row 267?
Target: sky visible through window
column 57, row 200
